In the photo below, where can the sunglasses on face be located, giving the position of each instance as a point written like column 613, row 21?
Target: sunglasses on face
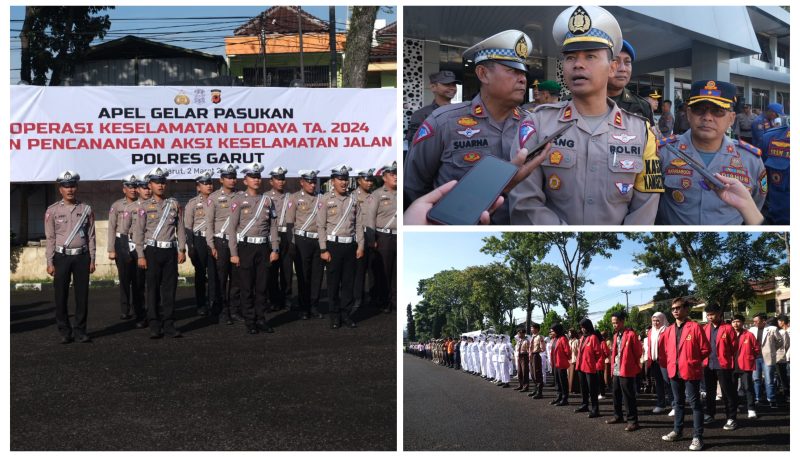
column 676, row 309
column 701, row 110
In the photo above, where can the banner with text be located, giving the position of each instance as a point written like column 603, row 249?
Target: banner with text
column 107, row 133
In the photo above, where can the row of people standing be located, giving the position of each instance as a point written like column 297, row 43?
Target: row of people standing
column 239, row 242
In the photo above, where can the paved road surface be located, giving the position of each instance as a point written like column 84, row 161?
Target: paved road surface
column 445, row 409
column 305, row 387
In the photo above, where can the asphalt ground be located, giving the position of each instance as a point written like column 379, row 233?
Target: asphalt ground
column 304, row 387
column 448, row 410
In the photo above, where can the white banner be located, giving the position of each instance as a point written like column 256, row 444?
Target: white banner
column 106, row 133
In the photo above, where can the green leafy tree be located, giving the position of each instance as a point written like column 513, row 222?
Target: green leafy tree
column 410, row 327
column 523, row 255
column 54, row 38
column 491, row 292
column 550, row 318
column 577, row 251
column 663, row 258
column 604, row 324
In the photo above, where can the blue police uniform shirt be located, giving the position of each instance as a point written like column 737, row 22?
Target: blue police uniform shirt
column 775, row 152
column 760, row 125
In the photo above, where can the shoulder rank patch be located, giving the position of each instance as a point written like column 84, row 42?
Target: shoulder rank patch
column 526, row 129
column 425, row 131
column 516, row 113
column 749, row 148
column 618, row 119
column 567, row 114
column 667, row 140
column 477, row 110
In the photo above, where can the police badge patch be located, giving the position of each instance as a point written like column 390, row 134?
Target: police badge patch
column 425, row 131
column 526, row 129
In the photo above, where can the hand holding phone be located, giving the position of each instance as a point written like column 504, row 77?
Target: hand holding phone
column 554, row 136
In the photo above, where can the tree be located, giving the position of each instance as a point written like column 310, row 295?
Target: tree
column 54, row 38
column 577, row 251
column 410, row 327
column 722, row 267
column 549, row 319
column 604, row 324
column 522, row 254
column 492, row 294
column 661, row 257
column 357, row 46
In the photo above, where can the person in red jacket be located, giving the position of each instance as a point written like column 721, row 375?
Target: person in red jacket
column 626, row 352
column 589, row 352
column 718, row 367
column 601, row 366
column 747, row 349
column 559, row 357
column 684, row 346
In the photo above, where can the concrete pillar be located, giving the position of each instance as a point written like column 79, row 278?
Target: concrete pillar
column 430, row 64
column 669, row 85
column 748, row 91
column 710, row 62
column 773, row 93
column 773, row 50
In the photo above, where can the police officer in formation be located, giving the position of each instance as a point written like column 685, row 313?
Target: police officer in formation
column 280, row 273
column 365, row 183
column 341, row 243
column 144, row 192
column 160, row 244
column 603, row 170
column 688, row 198
column 301, row 221
column 120, row 246
column 455, row 137
column 254, row 245
column 194, row 221
column 218, row 214
column 70, row 254
column 380, row 222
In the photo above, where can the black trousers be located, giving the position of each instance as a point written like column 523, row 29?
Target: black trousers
column 341, row 273
column 205, row 272
column 625, row 388
column 309, row 272
column 386, row 280
column 360, row 281
column 162, row 280
column 562, row 389
column 227, row 278
column 280, row 274
column 783, row 376
column 141, row 286
column 131, row 292
column 253, row 272
column 725, row 378
column 589, row 385
column 75, row 268
column 746, row 378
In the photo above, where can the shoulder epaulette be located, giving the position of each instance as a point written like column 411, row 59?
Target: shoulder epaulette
column 636, row 115
column 748, row 147
column 447, row 108
column 667, row 140
column 54, row 204
column 557, row 105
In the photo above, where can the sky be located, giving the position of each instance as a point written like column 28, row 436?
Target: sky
column 161, row 23
column 427, row 253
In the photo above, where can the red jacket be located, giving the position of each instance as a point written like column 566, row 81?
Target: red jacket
column 559, row 354
column 661, row 362
column 601, row 362
column 631, row 354
column 689, row 353
column 726, row 345
column 589, row 351
column 747, row 348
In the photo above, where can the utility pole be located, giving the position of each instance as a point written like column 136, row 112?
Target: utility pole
column 626, row 292
column 332, row 42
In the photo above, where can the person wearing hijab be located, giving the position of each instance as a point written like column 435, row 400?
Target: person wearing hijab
column 589, row 351
column 658, row 366
column 559, row 358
